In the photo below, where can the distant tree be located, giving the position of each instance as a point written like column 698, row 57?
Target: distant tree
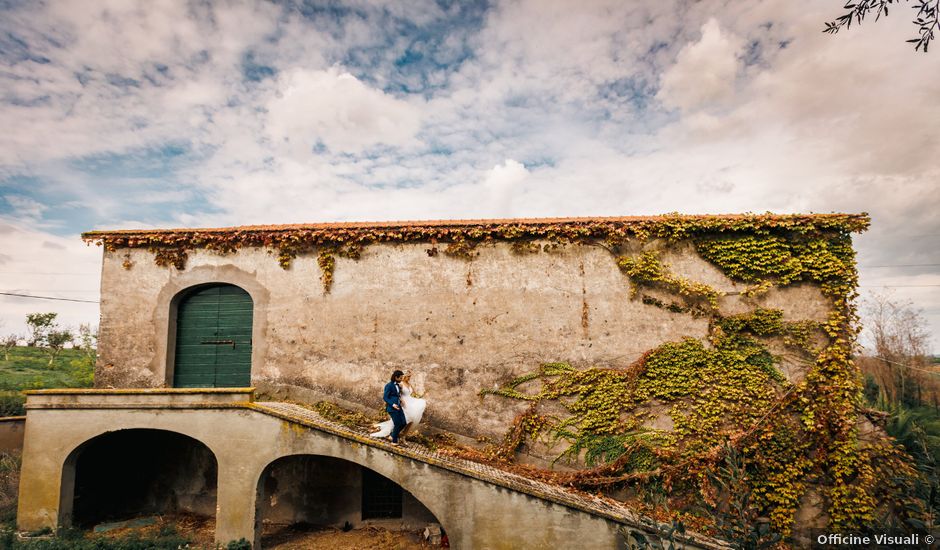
column 928, row 12
column 8, row 342
column 87, row 340
column 56, row 340
column 899, row 341
column 870, row 389
column 39, row 325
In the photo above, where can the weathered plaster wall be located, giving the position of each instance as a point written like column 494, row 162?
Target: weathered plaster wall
column 458, row 325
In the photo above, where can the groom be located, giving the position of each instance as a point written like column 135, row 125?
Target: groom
column 392, row 397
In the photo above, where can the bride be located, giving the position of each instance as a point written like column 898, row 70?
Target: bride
column 413, row 407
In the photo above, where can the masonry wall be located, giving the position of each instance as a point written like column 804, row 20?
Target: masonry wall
column 11, row 433
column 458, row 325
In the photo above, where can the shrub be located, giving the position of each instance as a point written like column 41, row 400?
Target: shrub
column 12, row 404
column 9, row 485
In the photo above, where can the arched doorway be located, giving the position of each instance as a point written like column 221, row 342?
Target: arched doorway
column 305, row 495
column 137, row 472
column 213, row 338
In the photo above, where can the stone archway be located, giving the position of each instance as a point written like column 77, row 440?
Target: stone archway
column 325, row 491
column 132, row 472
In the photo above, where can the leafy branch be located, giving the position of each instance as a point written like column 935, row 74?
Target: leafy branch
column 927, row 18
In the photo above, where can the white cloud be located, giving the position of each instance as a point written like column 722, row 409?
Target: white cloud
column 337, row 109
column 501, row 184
column 545, row 108
column 26, row 208
column 704, row 72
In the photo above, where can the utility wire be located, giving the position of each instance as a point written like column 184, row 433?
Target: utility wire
column 39, row 291
column 896, row 286
column 48, row 298
column 886, row 360
column 902, row 265
column 47, row 273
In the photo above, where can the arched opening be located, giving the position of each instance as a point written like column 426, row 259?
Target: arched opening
column 307, row 498
column 135, row 473
column 213, row 337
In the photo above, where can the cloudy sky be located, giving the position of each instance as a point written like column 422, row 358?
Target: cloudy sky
column 168, row 113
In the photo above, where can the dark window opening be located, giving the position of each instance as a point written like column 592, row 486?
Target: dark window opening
column 381, row 497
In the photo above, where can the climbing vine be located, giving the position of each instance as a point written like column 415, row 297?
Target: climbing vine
column 172, row 247
column 327, row 262
column 648, row 270
column 728, row 390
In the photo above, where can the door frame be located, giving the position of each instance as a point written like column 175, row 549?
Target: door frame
column 189, row 293
column 178, row 287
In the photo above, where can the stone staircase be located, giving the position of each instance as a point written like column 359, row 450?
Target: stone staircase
column 591, row 504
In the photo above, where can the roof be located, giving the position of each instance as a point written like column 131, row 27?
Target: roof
column 855, row 222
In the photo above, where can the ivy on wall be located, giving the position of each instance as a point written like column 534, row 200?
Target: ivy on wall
column 728, row 390
column 172, row 247
column 648, row 270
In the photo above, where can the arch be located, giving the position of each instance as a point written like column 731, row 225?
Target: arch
column 341, row 487
column 177, row 288
column 144, row 476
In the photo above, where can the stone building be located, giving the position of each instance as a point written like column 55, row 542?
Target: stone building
column 473, row 309
column 460, row 318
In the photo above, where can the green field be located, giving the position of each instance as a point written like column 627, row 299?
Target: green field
column 29, row 369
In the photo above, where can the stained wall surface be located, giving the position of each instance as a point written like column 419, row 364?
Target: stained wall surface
column 458, row 325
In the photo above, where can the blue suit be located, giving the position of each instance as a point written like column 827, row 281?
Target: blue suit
column 392, row 396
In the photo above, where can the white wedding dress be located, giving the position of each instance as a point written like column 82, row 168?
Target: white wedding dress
column 413, row 408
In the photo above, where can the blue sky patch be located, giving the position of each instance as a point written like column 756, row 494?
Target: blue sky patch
column 254, row 71
column 15, row 49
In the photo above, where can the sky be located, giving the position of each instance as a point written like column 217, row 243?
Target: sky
column 173, row 113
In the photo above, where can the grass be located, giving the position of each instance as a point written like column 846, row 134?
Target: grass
column 29, row 369
column 9, row 485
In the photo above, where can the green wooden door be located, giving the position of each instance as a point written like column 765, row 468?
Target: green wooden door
column 213, row 339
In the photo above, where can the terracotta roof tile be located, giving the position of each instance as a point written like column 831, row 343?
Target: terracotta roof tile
column 470, row 222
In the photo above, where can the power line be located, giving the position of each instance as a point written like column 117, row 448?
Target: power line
column 60, row 290
column 886, row 360
column 48, row 298
column 896, row 286
column 46, row 273
column 902, row 265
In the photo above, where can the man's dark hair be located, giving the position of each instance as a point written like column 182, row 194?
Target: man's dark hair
column 396, row 374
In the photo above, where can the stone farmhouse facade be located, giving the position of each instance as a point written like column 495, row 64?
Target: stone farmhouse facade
column 458, row 322
column 660, row 339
